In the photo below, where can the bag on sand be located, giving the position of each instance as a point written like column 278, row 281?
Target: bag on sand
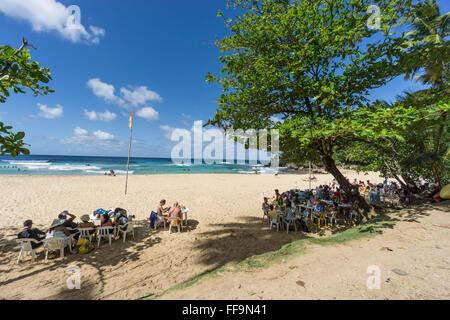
column 153, row 216
column 85, row 246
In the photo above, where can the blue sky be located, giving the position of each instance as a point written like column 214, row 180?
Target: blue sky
column 154, row 54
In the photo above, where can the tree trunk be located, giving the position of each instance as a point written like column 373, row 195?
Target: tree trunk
column 352, row 193
column 410, row 183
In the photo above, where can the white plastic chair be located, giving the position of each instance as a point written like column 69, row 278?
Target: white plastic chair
column 275, row 220
column 129, row 228
column 86, row 233
column 265, row 212
column 288, row 221
column 184, row 211
column 56, row 243
column 26, row 248
column 332, row 216
column 104, row 232
column 353, row 212
column 173, row 221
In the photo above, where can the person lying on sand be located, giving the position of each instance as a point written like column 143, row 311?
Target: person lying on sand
column 111, row 173
column 29, row 233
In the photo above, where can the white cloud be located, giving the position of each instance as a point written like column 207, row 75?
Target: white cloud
column 148, row 113
column 80, row 132
column 102, row 135
column 102, row 89
column 130, row 97
column 50, row 113
column 50, row 15
column 99, row 116
column 140, row 96
column 186, row 116
column 99, row 139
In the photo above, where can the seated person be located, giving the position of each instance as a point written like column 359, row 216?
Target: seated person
column 318, row 208
column 86, row 223
column 29, row 233
column 68, row 222
column 107, row 222
column 123, row 220
column 111, row 173
column 161, row 212
column 175, row 212
column 58, row 230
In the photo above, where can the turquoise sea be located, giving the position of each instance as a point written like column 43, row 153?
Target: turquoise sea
column 83, row 165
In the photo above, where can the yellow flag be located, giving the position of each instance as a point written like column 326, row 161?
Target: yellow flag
column 131, row 120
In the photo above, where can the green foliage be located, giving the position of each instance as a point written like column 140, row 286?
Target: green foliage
column 303, row 61
column 11, row 143
column 425, row 44
column 407, row 139
column 18, row 72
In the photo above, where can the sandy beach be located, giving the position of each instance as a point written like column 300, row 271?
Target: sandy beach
column 224, row 226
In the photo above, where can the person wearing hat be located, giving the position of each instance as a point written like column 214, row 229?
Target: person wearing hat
column 57, row 230
column 67, row 222
column 29, row 233
column 86, row 223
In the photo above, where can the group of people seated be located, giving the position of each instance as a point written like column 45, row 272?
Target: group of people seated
column 324, row 197
column 163, row 214
column 64, row 226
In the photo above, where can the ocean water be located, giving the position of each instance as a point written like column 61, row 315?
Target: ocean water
column 82, row 165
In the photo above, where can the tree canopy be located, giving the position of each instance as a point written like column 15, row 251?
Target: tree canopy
column 17, row 73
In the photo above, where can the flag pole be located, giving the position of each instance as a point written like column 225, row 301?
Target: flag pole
column 129, row 151
column 310, row 175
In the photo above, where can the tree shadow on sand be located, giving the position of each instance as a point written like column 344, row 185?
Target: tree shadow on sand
column 234, row 242
column 103, row 259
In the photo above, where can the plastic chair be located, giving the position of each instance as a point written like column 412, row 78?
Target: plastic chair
column 355, row 213
column 332, row 216
column 184, row 211
column 105, row 232
column 176, row 222
column 288, row 221
column 265, row 213
column 56, row 243
column 129, row 226
column 275, row 220
column 26, row 248
column 86, row 233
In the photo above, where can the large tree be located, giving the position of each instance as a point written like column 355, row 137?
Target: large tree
column 17, row 73
column 310, row 63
